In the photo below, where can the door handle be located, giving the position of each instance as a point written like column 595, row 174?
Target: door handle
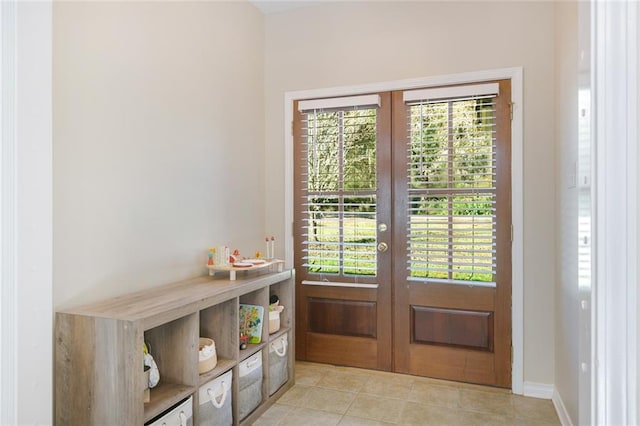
column 382, row 247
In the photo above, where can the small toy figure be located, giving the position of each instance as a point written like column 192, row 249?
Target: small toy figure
column 210, row 255
column 243, row 341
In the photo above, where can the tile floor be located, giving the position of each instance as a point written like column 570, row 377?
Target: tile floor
column 331, row 395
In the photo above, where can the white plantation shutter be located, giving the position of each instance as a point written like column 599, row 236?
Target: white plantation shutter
column 451, row 169
column 339, row 186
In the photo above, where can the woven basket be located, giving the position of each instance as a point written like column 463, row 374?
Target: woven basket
column 210, row 362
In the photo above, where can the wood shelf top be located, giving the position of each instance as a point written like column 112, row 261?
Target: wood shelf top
column 162, row 304
column 251, row 349
column 282, row 331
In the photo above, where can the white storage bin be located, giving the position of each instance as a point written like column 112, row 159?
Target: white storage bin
column 278, row 365
column 215, row 402
column 181, row 415
column 249, row 384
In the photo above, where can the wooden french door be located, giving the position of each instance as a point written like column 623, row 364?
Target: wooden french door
column 342, row 192
column 410, row 273
column 452, row 233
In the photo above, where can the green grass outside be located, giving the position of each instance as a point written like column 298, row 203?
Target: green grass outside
column 359, row 253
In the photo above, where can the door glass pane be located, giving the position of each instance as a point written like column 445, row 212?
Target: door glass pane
column 340, row 225
column 452, row 196
column 323, row 153
column 359, row 149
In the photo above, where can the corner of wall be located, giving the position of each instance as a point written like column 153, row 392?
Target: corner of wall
column 548, row 391
column 563, row 414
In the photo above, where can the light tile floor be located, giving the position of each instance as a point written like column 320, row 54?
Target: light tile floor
column 331, row 395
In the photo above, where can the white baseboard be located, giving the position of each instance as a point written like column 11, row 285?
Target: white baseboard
column 546, row 391
column 565, row 420
column 538, row 390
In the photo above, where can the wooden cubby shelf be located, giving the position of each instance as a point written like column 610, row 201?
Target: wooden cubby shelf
column 165, row 394
column 99, row 376
column 277, row 334
column 222, row 367
column 251, row 349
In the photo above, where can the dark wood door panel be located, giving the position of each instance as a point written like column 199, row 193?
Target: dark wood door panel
column 452, row 327
column 342, row 317
column 359, row 352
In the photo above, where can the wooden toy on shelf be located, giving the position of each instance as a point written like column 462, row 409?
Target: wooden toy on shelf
column 274, row 265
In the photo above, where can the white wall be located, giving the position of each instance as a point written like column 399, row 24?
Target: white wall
column 158, row 141
column 342, row 44
column 566, row 132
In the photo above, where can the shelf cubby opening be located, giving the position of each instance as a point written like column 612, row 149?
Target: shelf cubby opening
column 174, row 346
column 220, row 323
column 284, row 291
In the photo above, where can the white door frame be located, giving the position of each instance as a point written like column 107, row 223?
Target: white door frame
column 515, row 75
column 26, row 253
column 615, row 32
column 8, row 225
column 8, row 216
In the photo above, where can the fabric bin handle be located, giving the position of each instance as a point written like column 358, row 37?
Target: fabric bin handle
column 222, row 398
column 284, row 348
column 183, row 419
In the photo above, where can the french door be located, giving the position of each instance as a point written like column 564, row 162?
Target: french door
column 402, row 232
column 342, row 191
